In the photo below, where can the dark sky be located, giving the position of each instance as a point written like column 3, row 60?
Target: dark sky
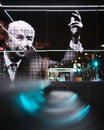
column 62, row 2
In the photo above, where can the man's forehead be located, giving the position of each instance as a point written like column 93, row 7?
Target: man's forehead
column 22, row 31
column 20, row 26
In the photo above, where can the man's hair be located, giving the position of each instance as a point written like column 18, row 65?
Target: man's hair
column 20, row 25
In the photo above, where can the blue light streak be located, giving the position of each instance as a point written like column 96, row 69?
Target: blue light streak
column 30, row 102
column 76, row 117
column 72, row 99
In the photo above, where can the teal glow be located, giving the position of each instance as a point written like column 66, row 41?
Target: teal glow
column 81, row 114
column 28, row 104
column 72, row 99
column 95, row 63
column 30, row 101
column 79, row 70
column 75, row 117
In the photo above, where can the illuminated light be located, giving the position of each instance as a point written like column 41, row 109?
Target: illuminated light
column 86, row 54
column 79, row 57
column 77, row 116
column 95, row 63
column 73, row 98
column 73, row 118
column 1, row 48
column 62, row 64
column 30, row 102
column 62, row 77
column 67, row 109
column 102, row 45
column 54, row 6
column 40, row 97
column 60, row 109
column 78, row 69
column 99, row 56
column 80, row 115
column 29, row 105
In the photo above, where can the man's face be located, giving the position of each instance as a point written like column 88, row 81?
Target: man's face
column 21, row 36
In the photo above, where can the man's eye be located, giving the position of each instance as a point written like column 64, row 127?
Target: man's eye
column 21, row 37
column 29, row 38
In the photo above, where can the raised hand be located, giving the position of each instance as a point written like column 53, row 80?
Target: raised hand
column 75, row 28
column 75, row 23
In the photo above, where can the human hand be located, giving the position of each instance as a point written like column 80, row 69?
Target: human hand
column 75, row 23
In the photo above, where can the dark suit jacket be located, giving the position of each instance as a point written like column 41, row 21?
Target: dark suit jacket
column 31, row 66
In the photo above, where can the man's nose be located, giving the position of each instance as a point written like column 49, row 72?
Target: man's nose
column 27, row 44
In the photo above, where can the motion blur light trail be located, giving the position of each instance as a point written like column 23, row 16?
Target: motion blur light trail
column 29, row 107
column 75, row 118
column 30, row 101
column 63, row 108
column 57, row 107
column 29, row 95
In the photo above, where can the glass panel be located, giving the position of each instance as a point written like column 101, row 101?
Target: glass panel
column 51, row 26
column 51, row 43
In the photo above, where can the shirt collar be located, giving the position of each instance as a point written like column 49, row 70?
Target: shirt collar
column 8, row 62
column 76, row 47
